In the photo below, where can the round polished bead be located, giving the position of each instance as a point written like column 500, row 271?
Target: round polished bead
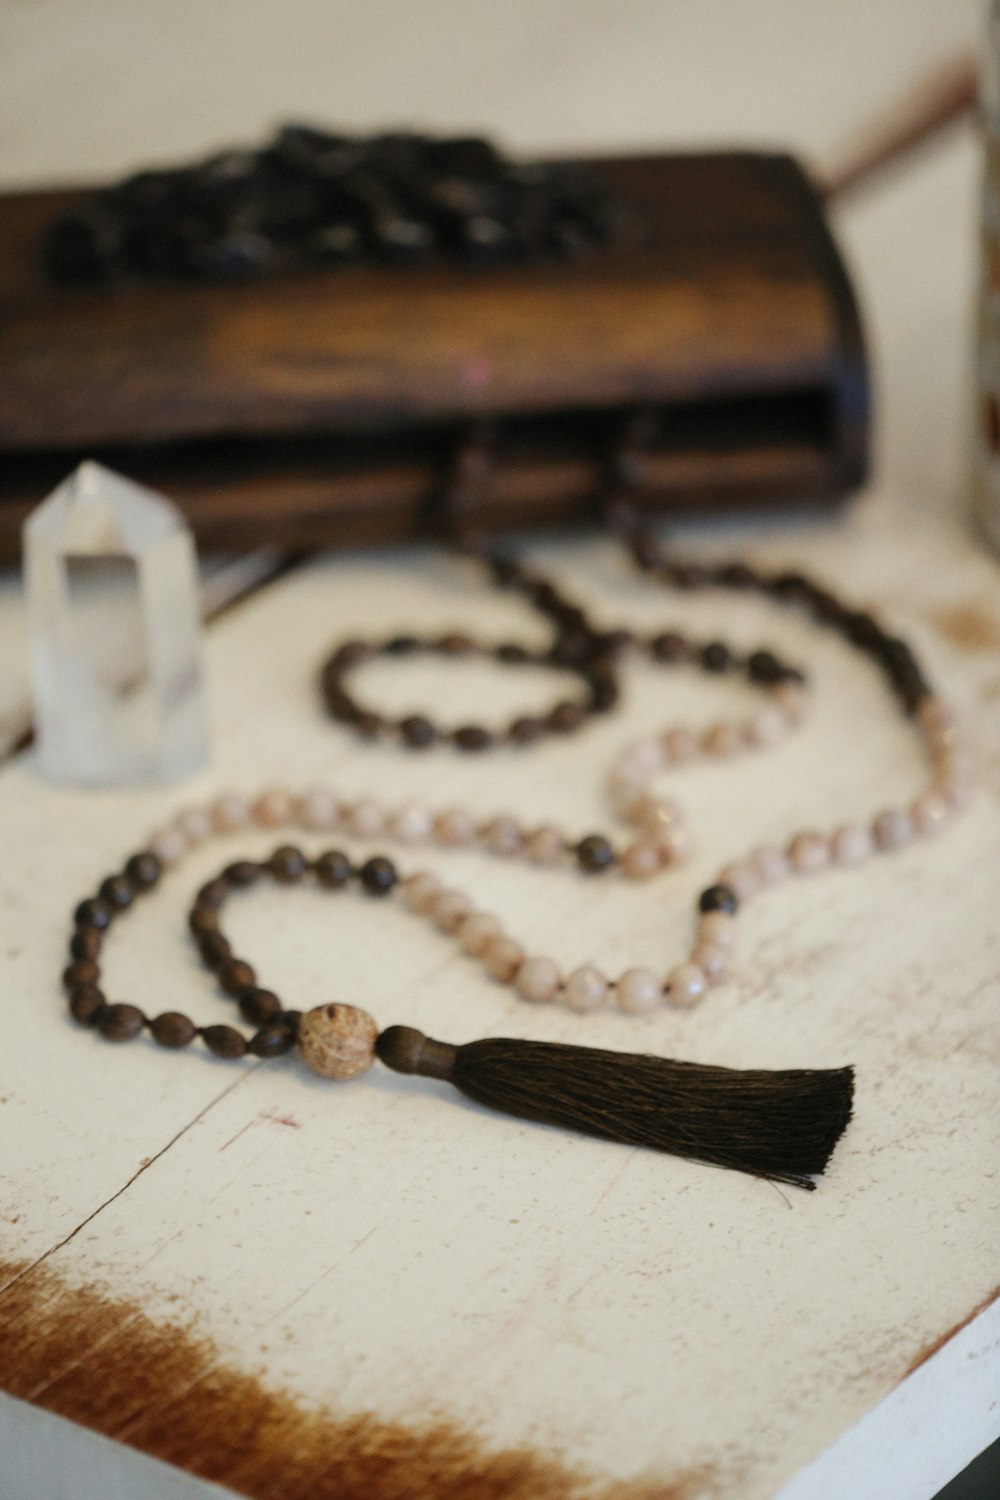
column 258, row 1006
column 851, row 845
column 638, row 991
column 81, row 971
column 168, row 846
column 537, row 980
column 766, row 727
column 118, row 891
column 235, row 975
column 287, row 864
column 273, row 807
column 721, row 740
column 716, row 657
column 449, row 909
column 892, row 829
column 120, row 1023
column 271, row 1041
column 411, row 824
column 242, row 873
column 172, row 1029
column 417, row 731
column 93, row 913
column 718, row 927
column 679, row 746
column 594, row 854
column 419, row 891
column 224, row 1041
column 195, row 823
column 586, row 989
column 790, row 699
column 476, row 930
column 567, row 717
column 685, row 985
column 86, row 1004
column 808, row 853
column 378, row 875
column 712, row 960
column 503, row 957
column 669, row 646
column 546, row 846
column 641, row 760
column 502, row 836
column 642, row 859
column 203, row 919
column 455, row 827
column 230, row 813
column 770, row 864
column 718, row 898
column 86, row 942
column 319, row 810
column 525, row 730
column 212, row 894
column 472, row 738
column 676, row 844
column 144, row 870
column 333, row 869
column 214, row 949
column 930, row 812
column 366, row 820
column 337, row 1041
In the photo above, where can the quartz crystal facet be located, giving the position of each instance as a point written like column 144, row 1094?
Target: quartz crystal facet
column 114, row 625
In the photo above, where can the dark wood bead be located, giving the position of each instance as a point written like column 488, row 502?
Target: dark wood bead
column 82, row 971
column 417, row 732
column 378, row 875
column 172, row 1029
column 350, row 654
column 506, row 570
column 455, row 644
column 669, row 646
column 613, row 643
column 224, row 1041
column 646, row 551
column 213, row 894
column 512, row 654
column 401, row 645
column 689, row 576
column 242, row 873
column 214, row 948
column 526, row 730
column 718, row 898
column 594, row 853
column 288, row 864
column 291, row 1019
column 118, row 891
column 567, row 717
column 369, row 725
column 235, row 975
column 203, row 919
column 716, row 657
column 144, row 869
column 120, row 1023
column 764, row 666
column 333, row 869
column 472, row 738
column 862, row 630
column 271, row 1041
column 258, row 1006
column 86, row 942
column 603, row 695
column 93, row 913
column 574, row 648
column 737, row 576
column 86, row 1004
column 340, row 703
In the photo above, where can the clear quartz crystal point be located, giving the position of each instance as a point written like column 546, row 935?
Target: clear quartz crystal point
column 114, row 634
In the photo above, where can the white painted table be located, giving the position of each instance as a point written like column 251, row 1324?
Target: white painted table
column 380, row 1291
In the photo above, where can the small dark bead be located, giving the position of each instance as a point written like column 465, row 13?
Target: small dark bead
column 455, row 644
column 93, row 913
column 349, row 654
column 716, row 657
column 259, row 1006
column 214, row 948
column 118, row 891
column 718, row 898
column 604, row 694
column 369, row 725
column 291, row 1019
column 340, row 703
column 472, row 737
column 83, row 971
column 764, row 666
column 333, row 869
column 235, row 975
column 737, row 576
column 120, row 1023
column 287, row 864
column 173, row 1029
column 203, row 919
column 378, row 875
column 574, row 648
column 827, row 609
column 86, row 942
column 862, row 630
column 669, row 646
column 525, row 730
column 646, row 551
column 271, row 1041
column 613, row 642
column 243, row 872
column 567, row 717
column 506, row 570
column 511, row 654
column 794, row 588
column 86, row 1004
column 417, row 732
column 689, row 576
column 144, row 869
column 594, row 853
column 224, row 1041
column 401, row 645
column 213, row 894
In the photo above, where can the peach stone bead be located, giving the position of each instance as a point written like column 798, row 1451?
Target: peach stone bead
column 546, row 846
column 718, row 928
column 196, row 824
column 319, row 809
column 685, row 984
column 502, row 836
column 741, row 878
column 585, row 989
column 930, row 812
column 892, row 829
column 478, row 929
column 449, row 909
column 809, row 853
column 851, row 845
column 537, row 980
column 503, row 957
column 642, row 859
column 273, row 807
column 770, row 864
column 168, row 845
column 721, row 740
column 638, row 991
column 455, row 827
column 230, row 812
column 679, row 746
column 419, row 890
column 337, row 1041
column 712, row 960
column 411, row 824
column 366, row 820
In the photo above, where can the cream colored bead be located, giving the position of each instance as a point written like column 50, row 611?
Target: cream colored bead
column 366, row 819
column 502, row 836
column 676, row 844
column 718, row 928
column 273, row 807
column 230, row 812
column 741, row 878
column 679, row 746
column 935, row 715
column 503, row 957
column 546, row 846
column 638, row 991
column 338, row 1041
column 586, row 989
column 641, row 760
column 168, row 845
column 721, row 740
column 196, row 824
column 642, row 859
column 770, row 864
column 790, row 699
column 455, row 827
column 319, row 810
column 851, row 845
column 652, row 814
column 420, row 890
column 766, row 727
column 537, row 980
column 449, row 909
column 930, row 812
column 809, row 853
column 411, row 823
column 712, row 960
column 685, row 985
column 477, row 930
column 892, row 829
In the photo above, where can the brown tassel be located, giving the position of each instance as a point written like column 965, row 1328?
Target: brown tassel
column 779, row 1125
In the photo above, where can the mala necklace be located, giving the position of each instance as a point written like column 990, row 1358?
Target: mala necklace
column 776, row 1124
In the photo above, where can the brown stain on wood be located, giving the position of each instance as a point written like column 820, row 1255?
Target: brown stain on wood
column 103, row 1362
column 932, row 1348
column 970, row 627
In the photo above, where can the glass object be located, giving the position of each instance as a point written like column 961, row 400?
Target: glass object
column 114, row 634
